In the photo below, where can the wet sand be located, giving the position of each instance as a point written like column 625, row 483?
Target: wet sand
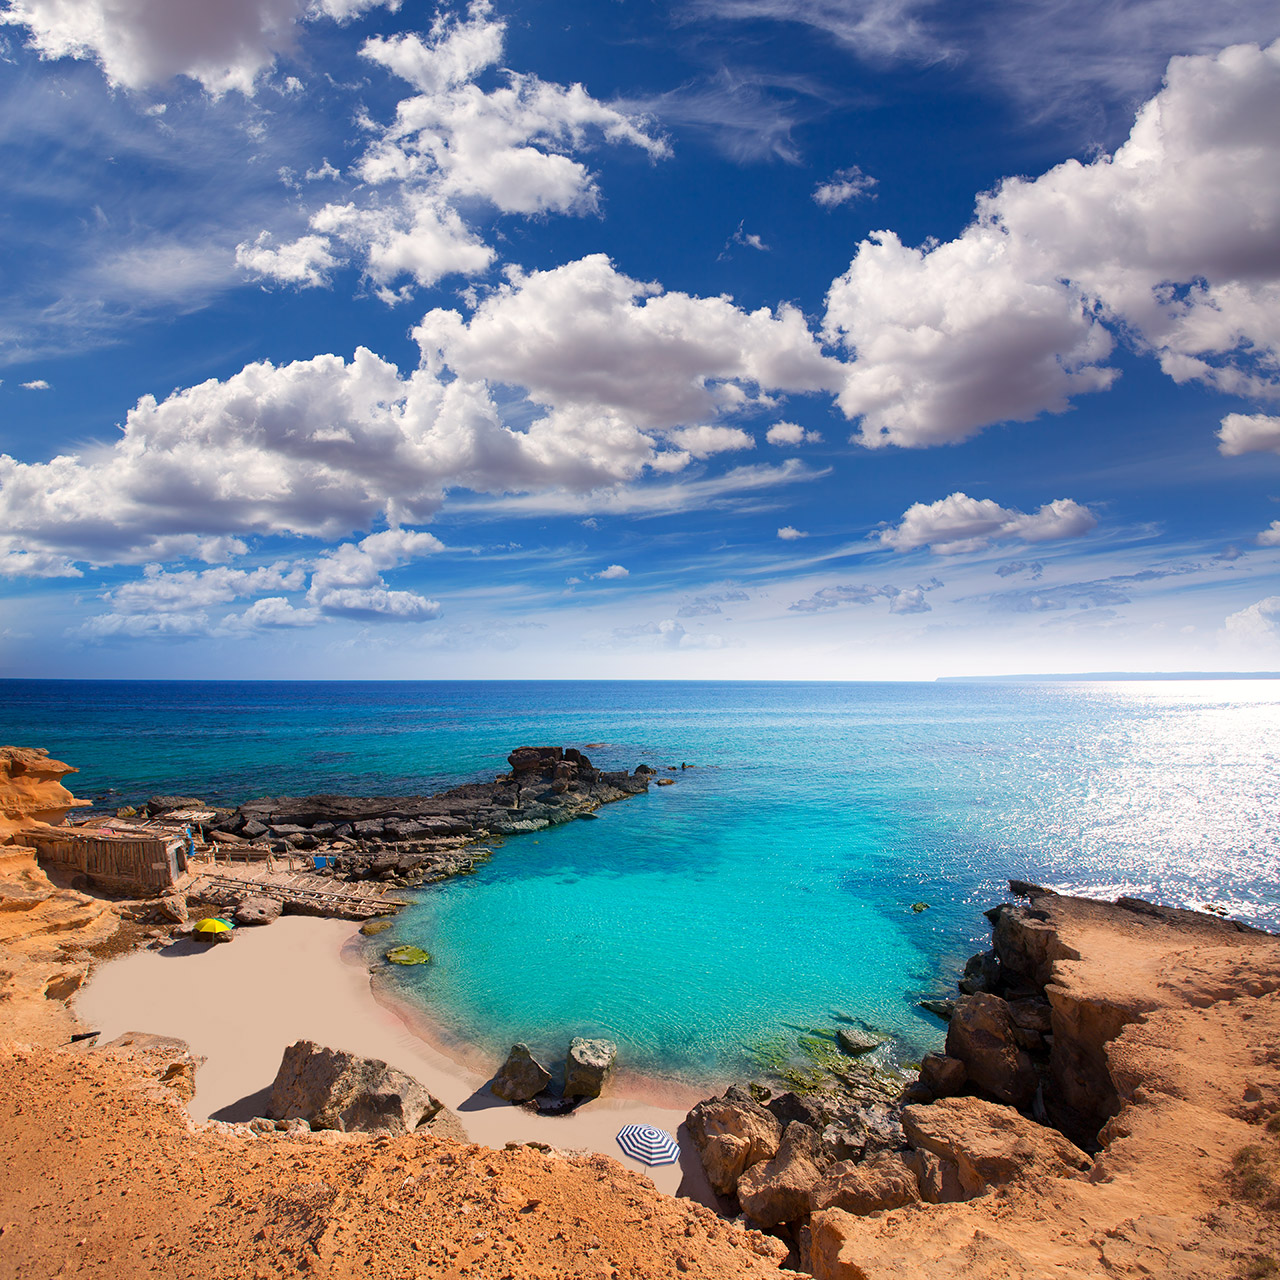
column 240, row 1005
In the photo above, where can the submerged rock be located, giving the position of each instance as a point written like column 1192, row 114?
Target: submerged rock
column 371, row 928
column 856, row 1041
column 408, row 955
column 521, row 1077
column 331, row 1089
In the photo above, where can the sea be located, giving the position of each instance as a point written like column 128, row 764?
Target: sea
column 822, row 858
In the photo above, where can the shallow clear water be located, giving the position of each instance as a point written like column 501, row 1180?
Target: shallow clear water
column 704, row 926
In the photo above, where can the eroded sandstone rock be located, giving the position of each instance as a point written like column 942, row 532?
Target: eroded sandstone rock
column 834, row 1246
column 731, row 1137
column 981, row 1034
column 165, row 1058
column 989, row 1144
column 331, row 1089
column 521, row 1077
column 882, row 1181
column 31, row 790
column 944, row 1077
column 938, row 1179
column 777, row 1190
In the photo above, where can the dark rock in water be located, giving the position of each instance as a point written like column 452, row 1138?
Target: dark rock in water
column 534, row 759
column 856, row 1041
column 170, row 804
column 521, row 1077
column 777, row 1190
column 732, row 1135
column 645, row 768
column 258, row 910
column 408, row 955
column 981, row 973
column 1026, row 889
column 372, row 928
column 982, row 1036
column 331, row 1089
column 588, row 1065
column 939, row 1008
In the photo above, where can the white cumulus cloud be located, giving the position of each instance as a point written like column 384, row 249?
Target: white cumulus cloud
column 450, row 145
column 1248, row 433
column 784, row 433
column 960, row 523
column 1174, row 239
column 1270, row 536
column 613, row 572
column 843, row 186
column 1257, row 624
column 788, row 533
column 226, row 45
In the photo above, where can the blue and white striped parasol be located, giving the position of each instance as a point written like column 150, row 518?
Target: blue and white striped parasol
column 648, row 1145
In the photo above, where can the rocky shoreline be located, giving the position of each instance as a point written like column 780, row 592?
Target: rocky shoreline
column 409, row 841
column 1049, row 1066
column 1108, row 1103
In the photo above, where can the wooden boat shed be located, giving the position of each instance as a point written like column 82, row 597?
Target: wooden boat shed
column 135, row 863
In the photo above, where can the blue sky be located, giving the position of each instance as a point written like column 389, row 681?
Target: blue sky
column 846, row 339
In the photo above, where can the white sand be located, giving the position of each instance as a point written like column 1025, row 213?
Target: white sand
column 240, row 1005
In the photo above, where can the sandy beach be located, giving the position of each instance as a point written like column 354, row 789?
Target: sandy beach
column 239, row 1006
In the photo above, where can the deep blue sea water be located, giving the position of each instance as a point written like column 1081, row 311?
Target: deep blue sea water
column 769, row 890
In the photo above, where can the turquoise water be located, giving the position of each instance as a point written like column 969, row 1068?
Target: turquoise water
column 769, row 890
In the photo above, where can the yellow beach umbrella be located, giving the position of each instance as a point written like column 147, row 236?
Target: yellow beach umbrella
column 211, row 925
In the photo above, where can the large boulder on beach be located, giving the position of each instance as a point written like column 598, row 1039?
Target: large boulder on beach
column 258, row 910
column 521, row 1077
column 587, row 1066
column 731, row 1136
column 331, row 1089
column 981, row 1034
column 776, row 1191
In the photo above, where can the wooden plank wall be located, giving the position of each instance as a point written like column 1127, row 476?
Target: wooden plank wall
column 142, row 864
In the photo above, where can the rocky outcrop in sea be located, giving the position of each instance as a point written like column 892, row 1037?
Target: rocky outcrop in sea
column 411, row 840
column 1030, row 1092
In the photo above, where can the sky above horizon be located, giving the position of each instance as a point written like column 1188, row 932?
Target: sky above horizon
column 836, row 339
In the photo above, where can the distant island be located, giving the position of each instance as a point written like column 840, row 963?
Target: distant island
column 1111, row 675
